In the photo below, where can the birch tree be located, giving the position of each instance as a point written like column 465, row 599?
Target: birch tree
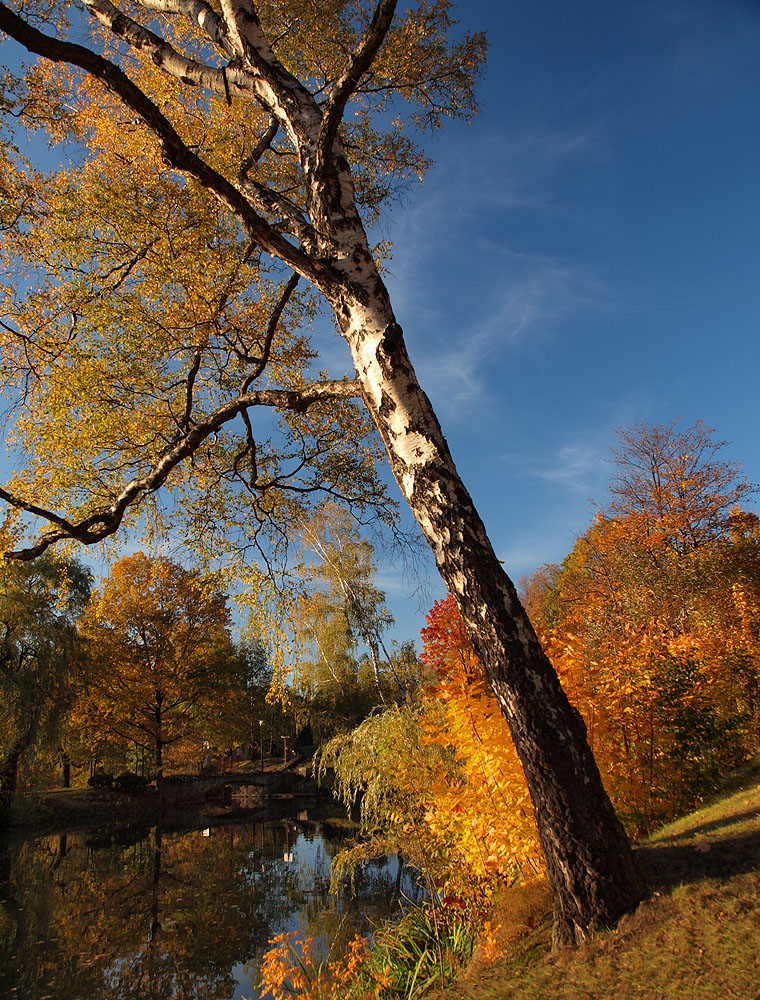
column 276, row 130
column 342, row 588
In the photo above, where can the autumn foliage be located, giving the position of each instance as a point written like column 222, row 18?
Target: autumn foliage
column 482, row 809
column 160, row 643
column 652, row 623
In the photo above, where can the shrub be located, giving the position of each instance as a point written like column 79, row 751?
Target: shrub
column 425, row 950
column 101, row 779
column 129, row 782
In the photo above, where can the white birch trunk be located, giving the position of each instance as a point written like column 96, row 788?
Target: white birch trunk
column 588, row 856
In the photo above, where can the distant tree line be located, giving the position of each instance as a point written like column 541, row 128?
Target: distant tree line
column 144, row 674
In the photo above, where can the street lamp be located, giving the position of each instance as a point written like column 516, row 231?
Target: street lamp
column 261, row 741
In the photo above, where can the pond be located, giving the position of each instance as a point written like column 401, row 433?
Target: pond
column 170, row 915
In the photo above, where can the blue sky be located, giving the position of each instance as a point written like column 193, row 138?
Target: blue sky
column 585, row 255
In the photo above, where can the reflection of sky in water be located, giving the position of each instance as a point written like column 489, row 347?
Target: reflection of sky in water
column 176, row 916
column 311, row 865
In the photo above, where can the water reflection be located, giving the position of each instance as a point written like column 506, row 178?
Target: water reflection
column 171, row 915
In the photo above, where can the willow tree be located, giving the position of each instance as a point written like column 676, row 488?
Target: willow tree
column 42, row 655
column 228, row 149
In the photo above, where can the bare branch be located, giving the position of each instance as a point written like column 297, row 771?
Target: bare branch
column 274, row 319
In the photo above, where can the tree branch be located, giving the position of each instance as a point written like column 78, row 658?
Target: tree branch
column 274, row 319
column 261, row 147
column 199, row 13
column 165, row 56
column 248, row 449
column 190, row 382
column 349, row 80
column 176, row 153
column 106, row 521
column 30, row 508
column 292, row 220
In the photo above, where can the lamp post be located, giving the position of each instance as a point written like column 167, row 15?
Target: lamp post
column 261, row 741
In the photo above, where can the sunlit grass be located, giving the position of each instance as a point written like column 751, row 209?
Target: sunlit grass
column 696, row 937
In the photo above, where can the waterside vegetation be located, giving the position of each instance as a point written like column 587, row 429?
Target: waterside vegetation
column 652, row 622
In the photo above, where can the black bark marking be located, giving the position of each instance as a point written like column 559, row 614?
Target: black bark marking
column 387, row 405
column 392, row 343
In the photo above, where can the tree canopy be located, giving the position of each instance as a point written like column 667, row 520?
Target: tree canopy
column 160, row 642
column 161, row 308
column 342, row 610
column 652, row 620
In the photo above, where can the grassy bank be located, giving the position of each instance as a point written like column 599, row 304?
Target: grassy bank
column 696, row 937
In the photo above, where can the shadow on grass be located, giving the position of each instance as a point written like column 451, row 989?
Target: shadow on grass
column 717, row 842
column 734, row 819
column 694, row 938
column 668, row 865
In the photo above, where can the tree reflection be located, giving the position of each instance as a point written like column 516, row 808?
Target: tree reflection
column 167, row 915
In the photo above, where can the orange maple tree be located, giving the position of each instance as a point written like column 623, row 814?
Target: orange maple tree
column 652, row 622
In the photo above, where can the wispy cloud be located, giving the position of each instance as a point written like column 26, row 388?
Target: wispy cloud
column 531, row 552
column 569, row 479
column 462, row 286
column 578, row 467
column 522, row 294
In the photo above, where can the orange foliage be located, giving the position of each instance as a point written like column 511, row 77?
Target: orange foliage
column 672, row 487
column 290, row 969
column 653, row 625
column 636, row 695
column 159, row 639
column 653, row 622
column 483, row 812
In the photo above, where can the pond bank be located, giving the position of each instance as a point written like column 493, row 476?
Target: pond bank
column 185, row 800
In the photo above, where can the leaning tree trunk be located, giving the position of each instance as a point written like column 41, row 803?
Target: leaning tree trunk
column 588, row 856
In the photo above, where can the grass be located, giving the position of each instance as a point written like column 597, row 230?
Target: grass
column 697, row 937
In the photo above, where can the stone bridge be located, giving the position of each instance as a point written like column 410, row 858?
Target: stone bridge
column 245, row 788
